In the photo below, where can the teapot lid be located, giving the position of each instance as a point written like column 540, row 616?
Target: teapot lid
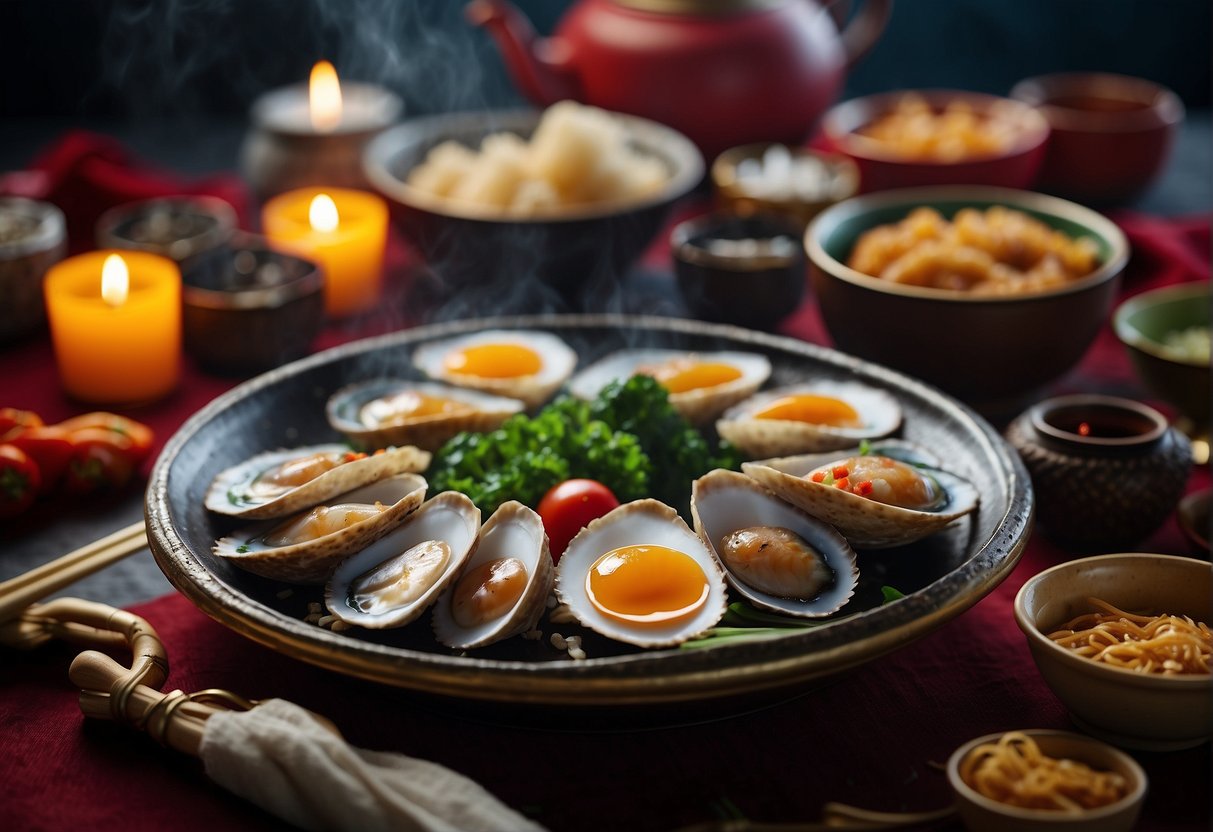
column 699, row 7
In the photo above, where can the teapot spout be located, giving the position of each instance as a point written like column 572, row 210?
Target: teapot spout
column 541, row 67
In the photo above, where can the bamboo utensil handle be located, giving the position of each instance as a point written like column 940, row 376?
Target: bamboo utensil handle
column 16, row 594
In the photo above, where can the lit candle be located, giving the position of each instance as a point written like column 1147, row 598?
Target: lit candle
column 315, row 133
column 342, row 230
column 115, row 320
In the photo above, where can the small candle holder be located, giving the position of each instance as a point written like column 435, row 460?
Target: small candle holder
column 250, row 308
column 1107, row 471
column 32, row 239
column 283, row 151
column 182, row 228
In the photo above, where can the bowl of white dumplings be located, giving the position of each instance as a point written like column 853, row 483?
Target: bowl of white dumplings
column 548, row 205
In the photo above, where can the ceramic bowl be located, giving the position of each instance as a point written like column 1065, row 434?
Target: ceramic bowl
column 1132, row 464
column 33, row 237
column 992, row 352
column 795, row 183
column 1134, row 710
column 982, row 814
column 565, row 260
column 1110, row 134
column 1143, row 322
column 248, row 308
column 748, row 271
column 1014, row 167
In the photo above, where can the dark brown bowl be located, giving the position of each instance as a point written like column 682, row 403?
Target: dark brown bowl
column 247, row 307
column 992, row 352
column 568, row 259
column 1110, row 134
column 755, row 288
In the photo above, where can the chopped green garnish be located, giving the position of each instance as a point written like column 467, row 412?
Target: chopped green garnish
column 891, row 594
column 629, row 439
column 865, row 447
column 242, row 549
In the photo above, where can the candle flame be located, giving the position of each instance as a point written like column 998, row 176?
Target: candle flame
column 115, row 280
column 322, row 213
column 1084, row 429
column 324, row 97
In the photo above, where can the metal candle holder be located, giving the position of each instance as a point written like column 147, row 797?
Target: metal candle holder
column 283, row 151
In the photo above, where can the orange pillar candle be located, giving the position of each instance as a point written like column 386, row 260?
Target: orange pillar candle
column 344, row 231
column 115, row 320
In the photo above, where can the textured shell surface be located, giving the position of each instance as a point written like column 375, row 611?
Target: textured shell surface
column 449, row 517
column 864, row 522
column 513, row 531
column 363, row 413
column 639, row 523
column 311, row 561
column 878, row 412
column 699, row 405
column 247, row 490
column 556, row 362
column 723, row 502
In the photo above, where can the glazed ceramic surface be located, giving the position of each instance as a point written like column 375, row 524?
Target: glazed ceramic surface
column 941, row 576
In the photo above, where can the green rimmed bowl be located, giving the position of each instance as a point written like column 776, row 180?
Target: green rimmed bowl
column 1143, row 323
column 992, row 352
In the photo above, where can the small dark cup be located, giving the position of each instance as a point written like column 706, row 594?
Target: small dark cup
column 187, row 229
column 1107, row 471
column 248, row 308
column 748, row 271
column 32, row 239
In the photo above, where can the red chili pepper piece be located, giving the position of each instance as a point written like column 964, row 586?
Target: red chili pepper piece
column 864, row 488
column 840, row 472
column 843, row 483
column 50, row 448
column 818, row 476
column 19, row 480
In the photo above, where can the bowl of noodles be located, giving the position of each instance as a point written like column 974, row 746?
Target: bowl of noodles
column 1123, row 641
column 1036, row 780
column 526, row 210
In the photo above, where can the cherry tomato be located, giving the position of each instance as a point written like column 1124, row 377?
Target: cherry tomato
column 569, row 506
column 19, row 480
column 49, row 448
column 101, row 459
column 138, row 435
column 14, row 421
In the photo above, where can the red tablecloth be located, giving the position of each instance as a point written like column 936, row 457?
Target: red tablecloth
column 867, row 739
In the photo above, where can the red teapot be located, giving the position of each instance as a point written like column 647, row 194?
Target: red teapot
column 724, row 72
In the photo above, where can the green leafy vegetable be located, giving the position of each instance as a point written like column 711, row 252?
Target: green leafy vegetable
column 630, row 439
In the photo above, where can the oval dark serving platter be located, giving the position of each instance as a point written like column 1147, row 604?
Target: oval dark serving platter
column 941, row 576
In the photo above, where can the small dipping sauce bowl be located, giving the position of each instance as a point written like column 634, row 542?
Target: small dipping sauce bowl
column 984, row 814
column 187, row 229
column 32, row 238
column 748, row 271
column 250, row 308
column 791, row 182
column 283, row 151
column 1110, row 134
column 1107, row 471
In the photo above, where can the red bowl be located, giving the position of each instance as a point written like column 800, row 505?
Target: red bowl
column 881, row 170
column 1111, row 134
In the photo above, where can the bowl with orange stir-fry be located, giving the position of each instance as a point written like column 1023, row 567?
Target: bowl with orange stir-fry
column 1045, row 781
column 989, row 293
column 938, row 137
column 1124, row 641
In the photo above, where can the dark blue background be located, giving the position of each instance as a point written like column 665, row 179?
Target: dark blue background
column 82, row 58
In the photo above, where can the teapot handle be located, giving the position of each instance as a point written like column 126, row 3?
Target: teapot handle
column 864, row 30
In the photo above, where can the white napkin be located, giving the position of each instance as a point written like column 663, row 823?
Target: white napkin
column 279, row 757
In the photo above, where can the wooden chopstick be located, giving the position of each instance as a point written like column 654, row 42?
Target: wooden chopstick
column 20, row 592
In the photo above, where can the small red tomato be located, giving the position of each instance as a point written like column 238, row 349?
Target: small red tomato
column 569, row 506
column 19, row 480
column 50, row 448
column 101, row 459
